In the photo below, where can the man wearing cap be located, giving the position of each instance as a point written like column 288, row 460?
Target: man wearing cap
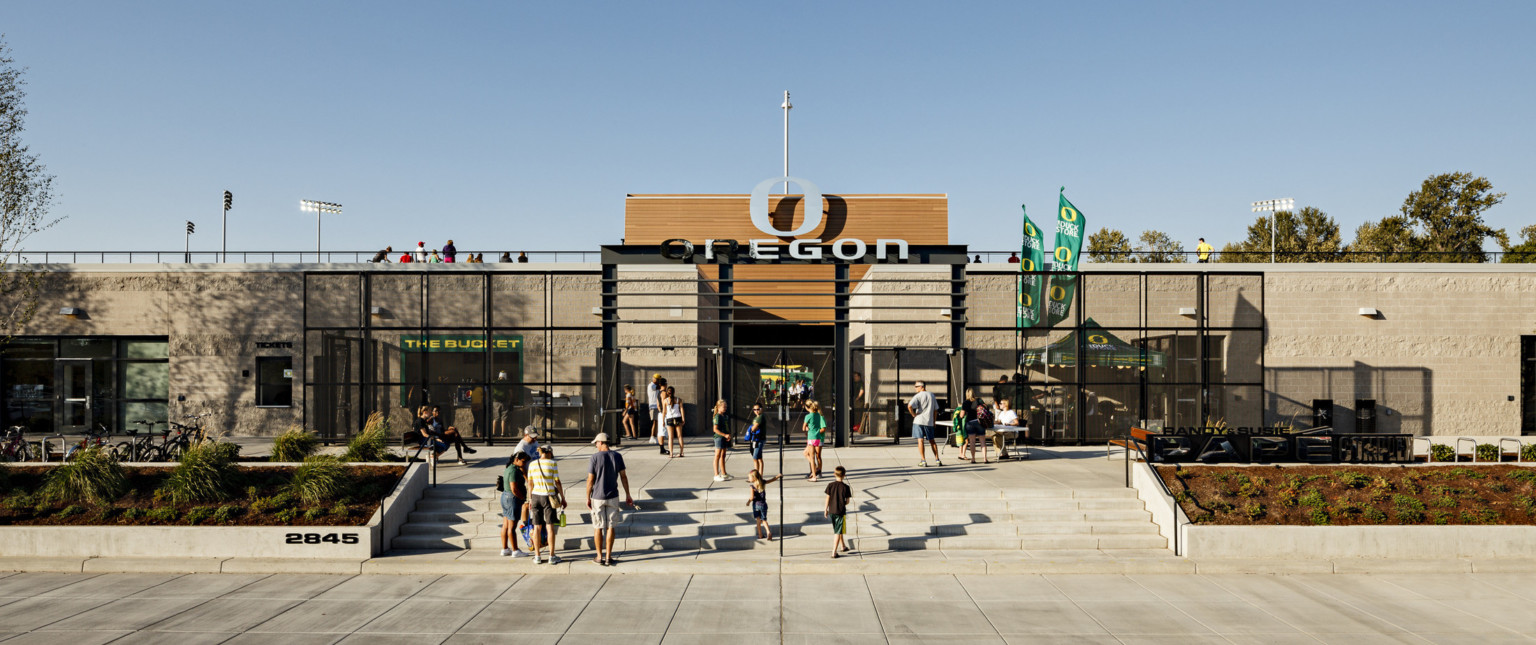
column 421, row 251
column 530, row 443
column 605, row 471
column 653, row 397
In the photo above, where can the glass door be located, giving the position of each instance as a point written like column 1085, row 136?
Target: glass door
column 75, row 395
column 783, row 381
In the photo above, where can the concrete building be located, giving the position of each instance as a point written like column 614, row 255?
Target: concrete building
column 259, row 347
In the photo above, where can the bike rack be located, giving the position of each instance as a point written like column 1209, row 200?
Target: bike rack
column 1519, row 445
column 1456, row 457
column 63, row 446
column 1429, row 448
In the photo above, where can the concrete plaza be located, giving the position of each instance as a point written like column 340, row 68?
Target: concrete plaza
column 299, row 609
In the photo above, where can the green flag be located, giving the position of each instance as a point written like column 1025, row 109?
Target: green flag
column 1069, row 241
column 1031, row 259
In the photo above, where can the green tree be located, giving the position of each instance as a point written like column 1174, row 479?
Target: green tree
column 1308, row 235
column 26, row 193
column 1447, row 211
column 1390, row 240
column 1157, row 246
column 1109, row 245
column 1525, row 251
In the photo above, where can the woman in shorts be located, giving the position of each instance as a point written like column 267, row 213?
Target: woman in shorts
column 631, row 411
column 674, row 414
column 720, row 426
column 815, row 427
column 755, row 437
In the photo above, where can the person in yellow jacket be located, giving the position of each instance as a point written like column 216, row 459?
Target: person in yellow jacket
column 1203, row 251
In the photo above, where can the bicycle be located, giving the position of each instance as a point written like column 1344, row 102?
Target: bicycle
column 15, row 446
column 181, row 436
column 94, row 437
column 139, row 448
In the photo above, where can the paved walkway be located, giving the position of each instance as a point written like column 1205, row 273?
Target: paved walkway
column 83, row 609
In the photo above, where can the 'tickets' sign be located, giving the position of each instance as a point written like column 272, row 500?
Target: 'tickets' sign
column 461, row 343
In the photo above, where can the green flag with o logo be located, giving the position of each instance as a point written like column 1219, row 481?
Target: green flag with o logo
column 1069, row 241
column 1031, row 259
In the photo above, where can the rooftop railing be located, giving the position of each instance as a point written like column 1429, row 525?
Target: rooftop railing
column 1256, row 257
column 271, row 257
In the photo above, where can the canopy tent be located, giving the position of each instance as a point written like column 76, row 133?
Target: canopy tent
column 1101, row 349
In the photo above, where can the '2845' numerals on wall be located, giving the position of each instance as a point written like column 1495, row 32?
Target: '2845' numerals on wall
column 319, row 538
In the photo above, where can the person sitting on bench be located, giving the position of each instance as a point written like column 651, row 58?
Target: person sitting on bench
column 449, row 433
column 1005, row 417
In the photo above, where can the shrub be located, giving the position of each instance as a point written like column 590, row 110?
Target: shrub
column 1313, row 498
column 227, row 513
column 1381, row 483
column 1288, row 498
column 1528, row 503
column 1440, row 518
column 287, row 515
column 163, row 515
column 340, row 510
column 252, row 493
column 1202, row 518
column 134, row 514
column 1254, row 511
column 1488, row 452
column 1528, row 452
column 1444, row 501
column 1469, row 473
column 94, row 476
column 1498, row 487
column 1407, row 503
column 262, row 505
column 1409, row 516
column 294, row 445
column 1479, row 516
column 1442, row 452
column 370, row 445
column 1319, row 516
column 206, row 474
column 18, row 501
column 198, row 515
column 71, row 511
column 1351, row 479
column 1373, row 515
column 1524, row 475
column 317, row 481
column 314, row 514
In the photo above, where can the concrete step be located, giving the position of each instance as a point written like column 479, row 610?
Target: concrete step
column 459, row 492
column 454, row 518
column 452, row 505
column 428, row 542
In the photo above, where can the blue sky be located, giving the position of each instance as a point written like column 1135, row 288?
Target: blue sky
column 523, row 125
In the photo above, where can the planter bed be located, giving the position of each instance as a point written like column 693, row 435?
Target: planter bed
column 260, row 502
column 1354, row 495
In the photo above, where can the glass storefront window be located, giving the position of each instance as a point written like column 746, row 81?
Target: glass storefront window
column 86, row 348
column 146, row 349
column 146, row 380
column 274, row 381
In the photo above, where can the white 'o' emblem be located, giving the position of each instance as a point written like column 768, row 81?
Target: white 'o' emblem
column 759, row 207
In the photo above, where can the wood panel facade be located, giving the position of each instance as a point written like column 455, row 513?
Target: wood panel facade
column 918, row 219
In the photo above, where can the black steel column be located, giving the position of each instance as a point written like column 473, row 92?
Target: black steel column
column 957, row 321
column 843, row 356
column 727, row 340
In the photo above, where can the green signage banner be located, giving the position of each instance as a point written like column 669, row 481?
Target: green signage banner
column 1031, row 258
column 1069, row 241
column 461, row 343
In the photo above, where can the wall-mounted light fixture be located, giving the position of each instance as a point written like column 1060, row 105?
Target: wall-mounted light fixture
column 597, row 311
column 1187, row 312
column 380, row 312
column 1370, row 312
column 946, row 313
column 677, row 312
column 73, row 312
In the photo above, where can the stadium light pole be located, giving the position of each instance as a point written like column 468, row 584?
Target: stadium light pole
column 1273, row 206
column 319, row 209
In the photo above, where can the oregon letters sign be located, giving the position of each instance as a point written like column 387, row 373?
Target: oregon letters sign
column 461, row 343
column 771, row 249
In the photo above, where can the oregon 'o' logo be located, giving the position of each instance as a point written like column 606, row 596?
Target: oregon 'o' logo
column 1098, row 340
column 1026, row 300
column 1029, row 264
column 759, row 207
column 1058, row 293
column 1068, row 213
column 1029, row 229
column 1063, row 254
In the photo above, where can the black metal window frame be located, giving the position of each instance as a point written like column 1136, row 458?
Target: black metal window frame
column 1201, row 329
column 119, row 359
column 262, row 385
column 366, row 327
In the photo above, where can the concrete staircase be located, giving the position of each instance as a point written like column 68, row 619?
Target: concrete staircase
column 456, row 516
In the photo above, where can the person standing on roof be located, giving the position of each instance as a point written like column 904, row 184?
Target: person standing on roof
column 450, row 252
column 1203, row 251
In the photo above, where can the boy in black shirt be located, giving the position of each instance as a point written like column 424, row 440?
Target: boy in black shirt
column 838, row 495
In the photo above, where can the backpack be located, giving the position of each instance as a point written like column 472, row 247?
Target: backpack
column 983, row 415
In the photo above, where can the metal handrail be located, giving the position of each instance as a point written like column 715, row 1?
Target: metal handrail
column 1456, row 454
column 1519, row 446
column 1263, row 257
column 1177, row 509
column 266, row 257
column 1429, row 451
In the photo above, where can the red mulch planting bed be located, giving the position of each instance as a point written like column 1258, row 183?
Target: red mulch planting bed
column 1352, row 495
column 259, row 501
